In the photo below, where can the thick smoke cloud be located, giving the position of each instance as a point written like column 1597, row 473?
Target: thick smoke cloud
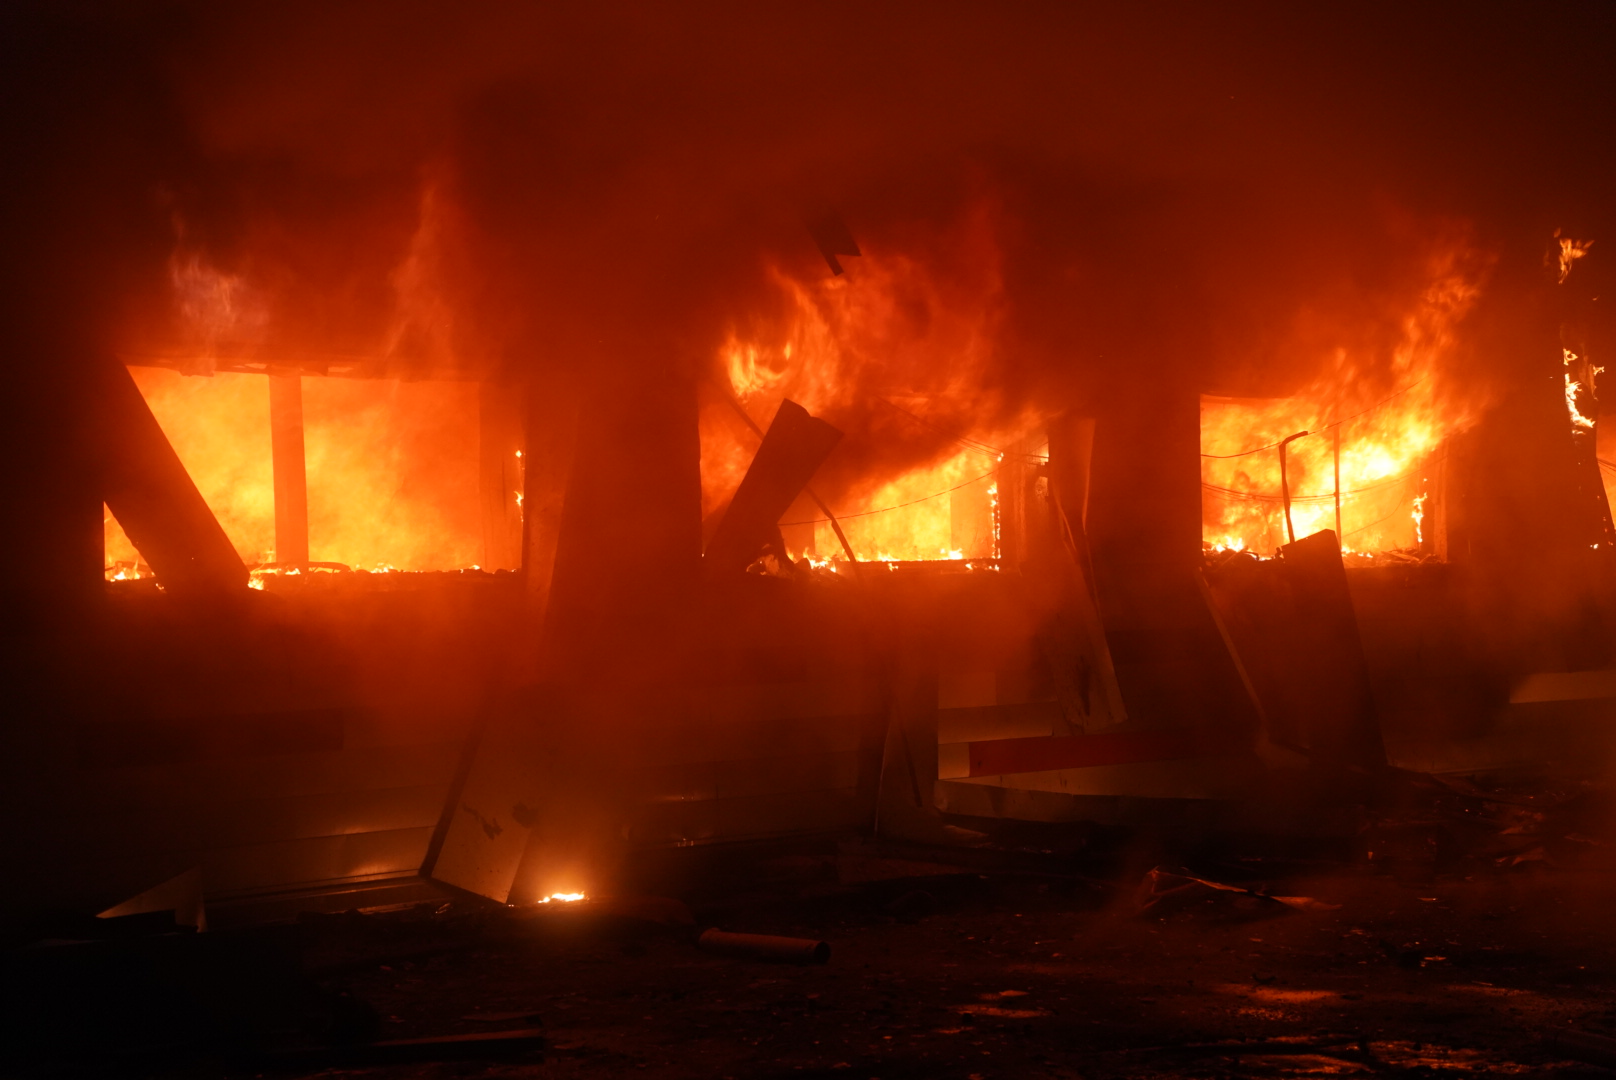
column 626, row 164
column 1191, row 197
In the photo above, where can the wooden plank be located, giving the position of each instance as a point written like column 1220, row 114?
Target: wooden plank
column 792, row 450
column 1293, row 628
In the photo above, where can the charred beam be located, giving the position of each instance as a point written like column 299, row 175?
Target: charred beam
column 155, row 500
column 794, row 447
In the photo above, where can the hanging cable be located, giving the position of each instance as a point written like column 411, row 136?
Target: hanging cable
column 900, row 506
column 1324, row 427
column 971, row 444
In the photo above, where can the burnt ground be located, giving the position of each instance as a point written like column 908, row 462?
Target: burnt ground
column 1469, row 932
column 1027, row 979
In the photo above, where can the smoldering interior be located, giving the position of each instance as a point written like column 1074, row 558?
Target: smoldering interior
column 607, row 498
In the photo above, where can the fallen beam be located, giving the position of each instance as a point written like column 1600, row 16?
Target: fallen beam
column 794, row 447
column 154, row 499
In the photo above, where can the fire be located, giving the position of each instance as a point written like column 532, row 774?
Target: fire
column 1570, row 251
column 898, row 354
column 1389, row 420
column 1574, row 386
column 564, row 897
column 392, row 466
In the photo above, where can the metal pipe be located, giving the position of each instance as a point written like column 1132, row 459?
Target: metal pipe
column 1285, row 483
column 788, row 950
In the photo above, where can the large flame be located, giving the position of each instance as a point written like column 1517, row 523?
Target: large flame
column 1389, row 415
column 392, row 466
column 899, row 353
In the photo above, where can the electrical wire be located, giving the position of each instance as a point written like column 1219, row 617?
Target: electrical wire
column 971, row 444
column 1372, row 524
column 1326, row 427
column 1232, row 493
column 900, row 506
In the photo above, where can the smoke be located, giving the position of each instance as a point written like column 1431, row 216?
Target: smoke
column 622, row 166
column 1182, row 198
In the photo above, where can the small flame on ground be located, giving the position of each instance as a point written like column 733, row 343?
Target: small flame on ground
column 564, row 897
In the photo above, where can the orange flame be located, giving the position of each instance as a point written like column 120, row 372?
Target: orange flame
column 898, row 354
column 1570, row 251
column 392, row 466
column 1391, row 419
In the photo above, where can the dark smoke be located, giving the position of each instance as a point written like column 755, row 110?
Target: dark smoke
column 1178, row 182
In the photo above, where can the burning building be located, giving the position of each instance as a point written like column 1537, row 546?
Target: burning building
column 513, row 453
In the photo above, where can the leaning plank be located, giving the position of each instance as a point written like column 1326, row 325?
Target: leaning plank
column 155, row 500
column 1290, row 627
column 1329, row 675
column 793, row 449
